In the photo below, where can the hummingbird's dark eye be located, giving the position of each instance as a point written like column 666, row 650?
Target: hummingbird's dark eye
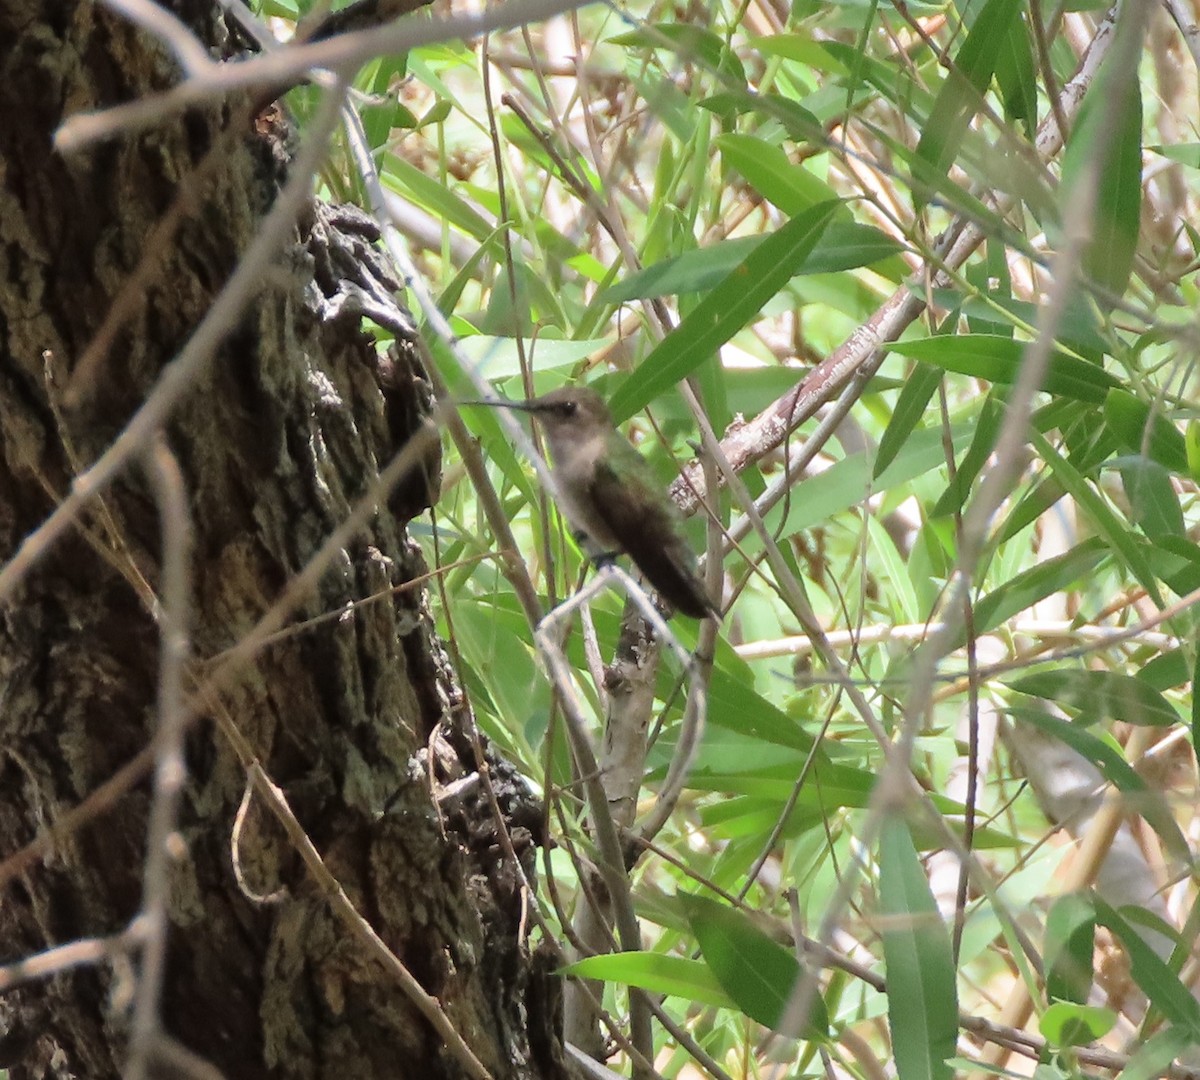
column 569, row 408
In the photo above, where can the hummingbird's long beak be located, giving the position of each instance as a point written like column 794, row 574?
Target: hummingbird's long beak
column 501, row 403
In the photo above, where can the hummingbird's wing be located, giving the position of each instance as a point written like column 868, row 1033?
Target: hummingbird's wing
column 649, row 530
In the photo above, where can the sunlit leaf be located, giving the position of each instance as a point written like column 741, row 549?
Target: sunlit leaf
column 689, row 979
column 1067, row 1024
column 843, row 246
column 1141, row 429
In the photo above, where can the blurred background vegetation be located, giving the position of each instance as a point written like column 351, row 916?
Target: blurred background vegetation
column 856, row 230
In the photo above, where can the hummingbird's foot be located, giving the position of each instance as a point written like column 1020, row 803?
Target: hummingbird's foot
column 604, row 558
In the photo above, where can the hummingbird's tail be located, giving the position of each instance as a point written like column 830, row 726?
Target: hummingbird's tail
column 670, row 570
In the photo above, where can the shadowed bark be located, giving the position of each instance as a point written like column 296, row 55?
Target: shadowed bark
column 352, row 717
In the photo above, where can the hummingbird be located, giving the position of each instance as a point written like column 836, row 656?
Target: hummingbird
column 610, row 497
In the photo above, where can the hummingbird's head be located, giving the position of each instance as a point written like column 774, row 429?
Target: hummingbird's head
column 570, row 410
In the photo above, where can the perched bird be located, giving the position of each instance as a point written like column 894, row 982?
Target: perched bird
column 609, row 495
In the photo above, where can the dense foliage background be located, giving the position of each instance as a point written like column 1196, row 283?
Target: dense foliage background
column 949, row 354
column 899, row 302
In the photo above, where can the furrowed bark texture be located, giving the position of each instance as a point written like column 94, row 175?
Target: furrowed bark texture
column 278, row 438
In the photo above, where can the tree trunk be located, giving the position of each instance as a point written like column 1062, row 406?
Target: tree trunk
column 356, row 718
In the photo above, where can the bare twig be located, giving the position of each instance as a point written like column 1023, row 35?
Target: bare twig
column 283, row 67
column 170, row 769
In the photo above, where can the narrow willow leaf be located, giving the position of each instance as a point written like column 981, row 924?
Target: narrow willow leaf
column 1151, row 1060
column 435, row 197
column 752, row 969
column 1153, row 502
column 1167, row 671
column 919, row 387
column 1025, row 590
column 1015, row 74
column 1131, row 548
column 724, row 311
column 1196, row 704
column 845, row 245
column 1177, row 562
column 1070, row 940
column 690, row 979
column 772, row 173
column 689, row 42
column 987, row 431
column 1140, row 429
column 998, row 359
column 1159, row 983
column 962, row 92
column 800, row 124
column 1192, row 445
column 993, row 279
column 1107, row 138
column 1099, row 695
column 922, row 998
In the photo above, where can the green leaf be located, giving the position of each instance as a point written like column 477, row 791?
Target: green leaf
column 998, row 359
column 1141, row 430
column 848, row 482
column 1153, row 502
column 772, row 174
column 1151, row 1060
column 1167, row 670
column 500, row 358
column 1098, row 695
column 752, row 969
column 918, row 388
column 1025, row 590
column 1015, row 74
column 1107, row 138
column 1185, row 153
column 690, row 43
column 1192, row 445
column 734, row 705
column 986, row 313
column 987, row 431
column 676, row 975
column 800, row 124
column 1079, row 329
column 724, row 311
column 1177, row 561
column 1159, row 983
column 962, row 91
column 1107, row 757
column 843, row 246
column 921, row 992
column 1122, row 539
column 1068, row 1024
column 448, row 300
column 432, row 194
column 1070, row 940
column 1196, row 703
column 377, row 80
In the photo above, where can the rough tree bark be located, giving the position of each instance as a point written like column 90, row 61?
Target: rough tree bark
column 352, row 717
